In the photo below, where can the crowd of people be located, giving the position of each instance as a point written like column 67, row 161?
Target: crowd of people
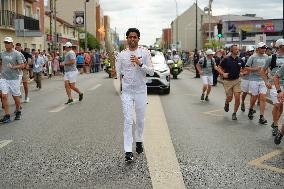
column 254, row 71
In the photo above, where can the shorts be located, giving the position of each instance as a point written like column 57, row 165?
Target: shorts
column 26, row 75
column 207, row 80
column 11, row 86
column 232, row 86
column 257, row 87
column 245, row 85
column 273, row 95
column 71, row 76
column 79, row 66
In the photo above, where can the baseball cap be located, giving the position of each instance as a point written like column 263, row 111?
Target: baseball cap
column 210, row 52
column 249, row 48
column 261, row 44
column 279, row 42
column 8, row 39
column 68, row 44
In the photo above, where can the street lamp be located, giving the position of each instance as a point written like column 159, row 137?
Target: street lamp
column 176, row 25
column 86, row 41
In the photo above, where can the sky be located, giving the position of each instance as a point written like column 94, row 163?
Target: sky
column 151, row 16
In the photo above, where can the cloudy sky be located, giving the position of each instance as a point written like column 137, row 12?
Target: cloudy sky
column 150, row 16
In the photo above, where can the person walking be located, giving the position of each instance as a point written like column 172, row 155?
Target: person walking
column 11, row 63
column 195, row 61
column 37, row 68
column 71, row 73
column 257, row 85
column 231, row 68
column 205, row 67
column 132, row 65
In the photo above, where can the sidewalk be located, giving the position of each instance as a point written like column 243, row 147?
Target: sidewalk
column 191, row 68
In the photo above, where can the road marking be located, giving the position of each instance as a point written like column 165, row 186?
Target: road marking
column 63, row 106
column 95, row 87
column 259, row 162
column 5, row 143
column 161, row 158
column 213, row 113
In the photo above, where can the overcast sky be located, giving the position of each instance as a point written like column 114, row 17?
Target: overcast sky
column 150, row 16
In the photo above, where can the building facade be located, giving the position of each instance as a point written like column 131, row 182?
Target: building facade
column 65, row 9
column 30, row 33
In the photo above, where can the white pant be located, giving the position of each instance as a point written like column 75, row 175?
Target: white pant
column 71, row 76
column 128, row 102
column 11, row 86
column 257, row 87
column 273, row 95
column 245, row 85
column 207, row 80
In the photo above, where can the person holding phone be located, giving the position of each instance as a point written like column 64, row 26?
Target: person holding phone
column 132, row 65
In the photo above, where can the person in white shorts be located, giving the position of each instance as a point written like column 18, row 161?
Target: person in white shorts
column 71, row 73
column 257, row 86
column 245, row 78
column 273, row 63
column 205, row 68
column 11, row 63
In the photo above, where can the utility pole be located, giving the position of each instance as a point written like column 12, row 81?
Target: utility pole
column 283, row 20
column 55, row 27
column 196, row 24
column 85, row 12
column 50, row 23
column 176, row 25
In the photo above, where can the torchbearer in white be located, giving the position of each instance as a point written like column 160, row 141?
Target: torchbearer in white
column 132, row 65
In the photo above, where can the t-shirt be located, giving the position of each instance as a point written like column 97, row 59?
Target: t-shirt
column 280, row 73
column 256, row 61
column 70, row 55
column 26, row 55
column 279, row 63
column 38, row 63
column 14, row 58
column 232, row 66
column 207, row 70
column 80, row 59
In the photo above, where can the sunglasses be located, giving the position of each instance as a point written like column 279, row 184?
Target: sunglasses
column 6, row 42
column 263, row 47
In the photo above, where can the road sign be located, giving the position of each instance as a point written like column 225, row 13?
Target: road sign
column 79, row 18
column 260, row 38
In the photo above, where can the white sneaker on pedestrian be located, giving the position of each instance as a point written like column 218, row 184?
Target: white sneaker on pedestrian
column 27, row 99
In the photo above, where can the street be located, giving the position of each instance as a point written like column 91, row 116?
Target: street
column 188, row 143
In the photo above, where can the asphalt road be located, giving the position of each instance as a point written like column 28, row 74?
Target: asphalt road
column 213, row 151
column 81, row 145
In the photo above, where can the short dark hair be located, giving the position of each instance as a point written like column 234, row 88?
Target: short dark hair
column 133, row 30
column 233, row 45
column 18, row 44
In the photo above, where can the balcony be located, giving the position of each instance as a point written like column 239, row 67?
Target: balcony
column 7, row 20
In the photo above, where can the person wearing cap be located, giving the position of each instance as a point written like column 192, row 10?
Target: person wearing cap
column 231, row 68
column 273, row 63
column 25, row 78
column 205, row 67
column 132, row 65
column 245, row 80
column 11, row 62
column 71, row 73
column 257, row 85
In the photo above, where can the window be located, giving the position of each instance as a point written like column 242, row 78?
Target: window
column 33, row 46
column 25, row 45
column 28, row 10
column 4, row 5
column 38, row 14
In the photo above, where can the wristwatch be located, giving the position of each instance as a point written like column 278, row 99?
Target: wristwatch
column 141, row 64
column 279, row 91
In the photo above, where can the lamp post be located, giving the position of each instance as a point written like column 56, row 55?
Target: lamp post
column 176, row 25
column 85, row 12
column 196, row 24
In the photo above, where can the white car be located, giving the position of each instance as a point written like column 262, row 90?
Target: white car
column 161, row 78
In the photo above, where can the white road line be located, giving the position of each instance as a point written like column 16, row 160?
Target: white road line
column 161, row 158
column 95, row 87
column 4, row 143
column 62, row 107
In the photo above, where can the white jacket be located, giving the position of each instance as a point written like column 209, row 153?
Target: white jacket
column 133, row 76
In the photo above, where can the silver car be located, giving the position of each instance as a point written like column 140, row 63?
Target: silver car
column 161, row 78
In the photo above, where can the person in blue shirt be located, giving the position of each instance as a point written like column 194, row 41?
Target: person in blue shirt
column 80, row 62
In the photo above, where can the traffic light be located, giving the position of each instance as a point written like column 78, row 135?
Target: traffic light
column 219, row 28
column 244, row 34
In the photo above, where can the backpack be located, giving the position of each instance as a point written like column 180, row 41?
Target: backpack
column 273, row 61
column 205, row 63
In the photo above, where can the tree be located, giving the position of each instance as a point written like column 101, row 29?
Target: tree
column 121, row 47
column 93, row 43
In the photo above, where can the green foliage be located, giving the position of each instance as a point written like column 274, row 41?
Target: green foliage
column 93, row 43
column 121, row 47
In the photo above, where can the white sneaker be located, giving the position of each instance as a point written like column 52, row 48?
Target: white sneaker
column 27, row 99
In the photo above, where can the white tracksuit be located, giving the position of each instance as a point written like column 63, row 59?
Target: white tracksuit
column 134, row 91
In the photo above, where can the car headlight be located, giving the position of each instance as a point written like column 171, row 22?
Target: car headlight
column 162, row 71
